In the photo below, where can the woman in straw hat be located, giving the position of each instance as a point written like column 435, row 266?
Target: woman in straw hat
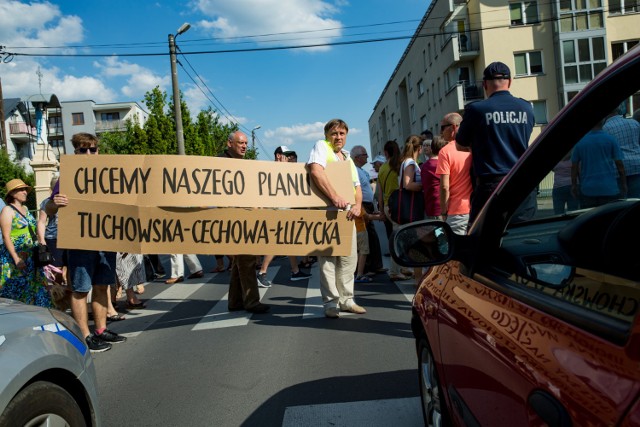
column 20, row 280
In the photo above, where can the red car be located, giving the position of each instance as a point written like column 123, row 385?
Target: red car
column 537, row 322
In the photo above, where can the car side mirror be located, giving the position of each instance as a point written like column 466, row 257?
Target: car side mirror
column 422, row 244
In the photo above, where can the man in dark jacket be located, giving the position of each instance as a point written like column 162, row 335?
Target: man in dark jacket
column 243, row 288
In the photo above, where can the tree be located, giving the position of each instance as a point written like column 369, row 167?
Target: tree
column 11, row 170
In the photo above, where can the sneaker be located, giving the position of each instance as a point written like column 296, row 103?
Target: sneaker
column 332, row 312
column 353, row 308
column 262, row 280
column 300, row 275
column 96, row 344
column 259, row 308
column 111, row 337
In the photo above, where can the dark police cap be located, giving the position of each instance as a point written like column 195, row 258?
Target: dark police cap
column 496, row 71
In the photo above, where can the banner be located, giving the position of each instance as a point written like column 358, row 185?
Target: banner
column 201, row 205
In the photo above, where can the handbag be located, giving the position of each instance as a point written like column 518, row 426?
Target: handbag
column 406, row 206
column 39, row 253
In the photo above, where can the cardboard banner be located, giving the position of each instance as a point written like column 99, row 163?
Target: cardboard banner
column 167, row 180
column 223, row 231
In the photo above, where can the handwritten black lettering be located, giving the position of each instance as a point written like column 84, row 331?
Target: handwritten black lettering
column 111, row 180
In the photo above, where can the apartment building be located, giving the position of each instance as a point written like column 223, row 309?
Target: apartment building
column 61, row 121
column 553, row 48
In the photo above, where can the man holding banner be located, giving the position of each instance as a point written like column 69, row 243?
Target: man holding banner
column 336, row 272
column 243, row 287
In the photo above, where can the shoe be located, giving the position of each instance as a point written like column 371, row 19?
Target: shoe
column 306, row 265
column 370, row 274
column 132, row 306
column 115, row 318
column 300, row 275
column 398, row 277
column 159, row 275
column 387, row 254
column 96, row 344
column 406, row 272
column 110, row 337
column 363, row 279
column 138, row 289
column 258, row 308
column 382, row 270
column 196, row 275
column 332, row 312
column 353, row 308
column 235, row 308
column 262, row 280
column 218, row 270
column 173, row 280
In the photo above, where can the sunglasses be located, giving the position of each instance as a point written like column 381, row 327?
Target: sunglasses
column 83, row 150
column 443, row 127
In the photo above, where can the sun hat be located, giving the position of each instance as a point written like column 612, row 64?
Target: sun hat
column 16, row 184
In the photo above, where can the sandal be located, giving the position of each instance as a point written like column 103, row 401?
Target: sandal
column 139, row 289
column 363, row 279
column 115, row 318
column 396, row 277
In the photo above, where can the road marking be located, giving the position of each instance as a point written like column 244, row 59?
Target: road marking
column 139, row 320
column 388, row 412
column 219, row 316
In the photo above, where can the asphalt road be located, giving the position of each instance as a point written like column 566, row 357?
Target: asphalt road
column 188, row 362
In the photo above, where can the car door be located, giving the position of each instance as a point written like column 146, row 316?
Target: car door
column 538, row 322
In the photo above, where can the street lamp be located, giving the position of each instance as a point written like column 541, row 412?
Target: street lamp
column 253, row 137
column 176, row 92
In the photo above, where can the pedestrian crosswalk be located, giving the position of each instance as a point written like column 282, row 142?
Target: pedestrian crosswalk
column 214, row 287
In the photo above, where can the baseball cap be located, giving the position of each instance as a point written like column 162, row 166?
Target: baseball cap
column 283, row 149
column 495, row 71
column 379, row 158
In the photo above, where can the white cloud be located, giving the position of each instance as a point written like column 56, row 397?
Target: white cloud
column 310, row 21
column 133, row 79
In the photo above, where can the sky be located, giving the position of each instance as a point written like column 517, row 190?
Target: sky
column 288, row 66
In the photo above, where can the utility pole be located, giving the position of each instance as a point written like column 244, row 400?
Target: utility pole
column 253, row 137
column 177, row 107
column 3, row 129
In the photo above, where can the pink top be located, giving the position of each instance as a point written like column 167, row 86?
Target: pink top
column 430, row 187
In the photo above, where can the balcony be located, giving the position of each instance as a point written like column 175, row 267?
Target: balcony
column 55, row 130
column 110, row 126
column 21, row 132
column 461, row 47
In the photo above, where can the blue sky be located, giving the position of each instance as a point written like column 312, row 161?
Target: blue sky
column 289, row 93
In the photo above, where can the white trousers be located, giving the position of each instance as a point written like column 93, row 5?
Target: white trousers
column 336, row 277
column 177, row 264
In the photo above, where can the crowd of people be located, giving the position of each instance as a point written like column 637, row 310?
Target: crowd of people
column 462, row 166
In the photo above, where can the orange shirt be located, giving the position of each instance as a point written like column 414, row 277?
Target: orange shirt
column 456, row 164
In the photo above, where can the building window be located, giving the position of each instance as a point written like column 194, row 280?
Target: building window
column 424, row 59
column 528, row 63
column 110, row 117
column 623, row 6
column 413, row 113
column 540, row 112
column 580, row 15
column 393, row 119
column 420, row 88
column 522, row 13
column 424, row 125
column 619, row 49
column 409, row 82
column 77, row 119
column 397, row 100
column 583, row 59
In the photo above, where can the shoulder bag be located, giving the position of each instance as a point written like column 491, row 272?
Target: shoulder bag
column 40, row 253
column 406, row 206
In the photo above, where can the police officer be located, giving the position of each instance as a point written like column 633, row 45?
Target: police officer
column 497, row 130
